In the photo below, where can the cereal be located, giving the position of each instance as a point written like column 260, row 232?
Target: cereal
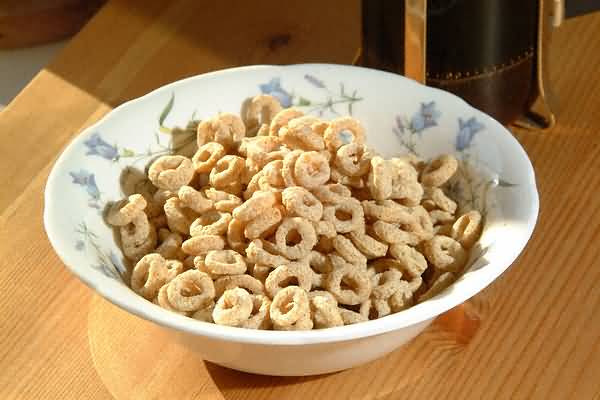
column 439, row 170
column 194, row 200
column 222, row 262
column 300, row 134
column 333, row 132
column 348, row 251
column 294, row 273
column 251, row 284
column 285, row 221
column 282, row 118
column 311, row 169
column 324, row 310
column 307, row 238
column 201, row 245
column 123, row 212
column 367, row 245
column 233, row 308
column 346, row 216
column 445, row 253
column 300, row 202
column 149, row 275
column 353, row 159
column 349, row 285
column 207, row 155
column 467, row 229
column 171, row 172
column 190, row 291
column 290, row 309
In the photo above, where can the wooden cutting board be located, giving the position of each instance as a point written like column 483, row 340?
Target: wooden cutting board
column 534, row 333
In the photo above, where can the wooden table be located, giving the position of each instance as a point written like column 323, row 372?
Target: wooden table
column 535, row 333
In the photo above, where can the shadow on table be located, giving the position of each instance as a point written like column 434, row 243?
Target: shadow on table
column 131, row 48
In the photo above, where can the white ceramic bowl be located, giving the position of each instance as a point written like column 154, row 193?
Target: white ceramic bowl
column 399, row 115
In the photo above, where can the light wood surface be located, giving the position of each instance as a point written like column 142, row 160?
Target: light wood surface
column 534, row 333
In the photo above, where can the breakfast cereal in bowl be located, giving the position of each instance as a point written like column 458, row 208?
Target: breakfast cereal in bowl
column 276, row 216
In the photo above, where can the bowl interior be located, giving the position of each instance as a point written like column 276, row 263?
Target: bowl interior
column 106, row 161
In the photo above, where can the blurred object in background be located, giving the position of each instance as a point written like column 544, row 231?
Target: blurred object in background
column 492, row 53
column 26, row 23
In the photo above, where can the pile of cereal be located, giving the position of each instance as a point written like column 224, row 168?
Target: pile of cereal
column 277, row 223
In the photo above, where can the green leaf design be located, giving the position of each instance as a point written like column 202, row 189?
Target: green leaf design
column 127, row 152
column 165, row 112
column 503, row 183
column 302, row 101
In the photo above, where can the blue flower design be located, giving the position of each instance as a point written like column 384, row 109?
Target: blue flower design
column 425, row 118
column 79, row 245
column 97, row 146
column 273, row 87
column 88, row 181
column 314, row 81
column 116, row 262
column 466, row 132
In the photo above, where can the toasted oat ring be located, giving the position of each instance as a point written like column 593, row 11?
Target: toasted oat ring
column 439, row 170
column 332, row 193
column 438, row 285
column 170, row 246
column 290, row 309
column 226, row 171
column 311, row 169
column 386, row 283
column 225, row 128
column 355, row 279
column 261, row 111
column 179, row 217
column 223, row 201
column 337, row 126
column 445, row 253
column 388, row 211
column 194, row 200
column 435, row 198
column 201, row 245
column 149, row 275
column 264, row 223
column 324, row 310
column 413, row 262
column 205, row 314
column 272, row 171
column 138, row 238
column 439, row 217
column 171, row 172
column 421, row 226
column 308, row 237
column 190, row 291
column 254, row 206
column 233, row 308
column 122, row 212
column 300, row 134
column 284, row 275
column 163, row 301
column 282, row 118
column 325, row 228
column 404, row 296
column 350, row 317
column 392, row 234
column 207, row 156
column 261, row 272
column 352, row 160
column 210, row 223
column 467, row 228
column 379, row 180
column 244, row 281
column 348, row 251
column 302, row 203
column 346, row 216
column 258, row 255
column 370, row 247
column 235, row 236
column 259, row 317
column 289, row 164
column 222, row 262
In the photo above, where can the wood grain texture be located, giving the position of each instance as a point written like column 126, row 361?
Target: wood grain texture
column 534, row 333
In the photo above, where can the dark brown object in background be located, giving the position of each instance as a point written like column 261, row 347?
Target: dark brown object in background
column 488, row 52
column 26, row 23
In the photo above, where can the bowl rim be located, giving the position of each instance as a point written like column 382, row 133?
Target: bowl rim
column 418, row 314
